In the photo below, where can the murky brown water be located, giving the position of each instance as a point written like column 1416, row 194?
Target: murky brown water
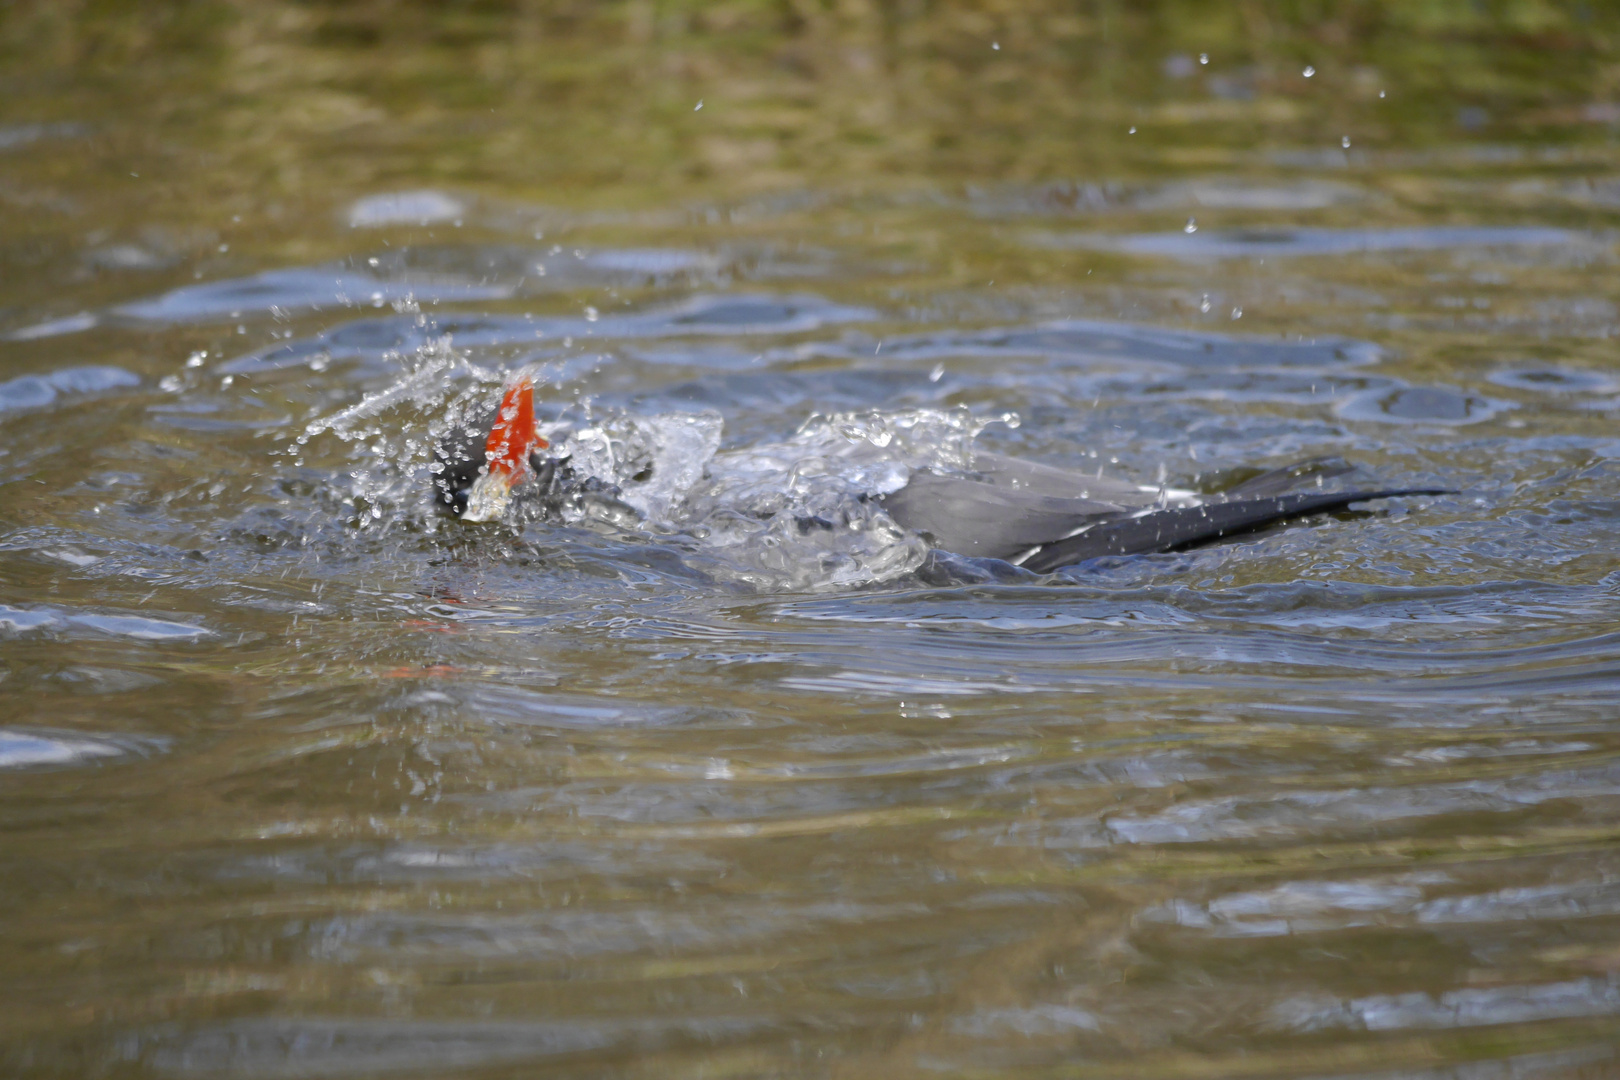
column 298, row 780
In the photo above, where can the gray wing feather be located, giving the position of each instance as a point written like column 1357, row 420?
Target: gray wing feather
column 1289, row 478
column 1037, row 479
column 972, row 517
column 1045, row 518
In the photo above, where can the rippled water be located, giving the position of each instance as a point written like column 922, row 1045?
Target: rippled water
column 299, row 779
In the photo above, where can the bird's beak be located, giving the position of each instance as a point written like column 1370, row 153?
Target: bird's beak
column 507, row 450
column 487, row 499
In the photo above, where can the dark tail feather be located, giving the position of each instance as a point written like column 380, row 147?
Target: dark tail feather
column 1188, row 526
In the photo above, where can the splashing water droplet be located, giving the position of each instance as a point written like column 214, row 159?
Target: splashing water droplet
column 1309, row 71
column 1203, row 58
column 1345, row 142
column 1191, row 226
column 1133, row 129
column 1237, row 313
column 1204, row 305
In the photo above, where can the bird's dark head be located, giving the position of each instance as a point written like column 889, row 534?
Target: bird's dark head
column 480, row 470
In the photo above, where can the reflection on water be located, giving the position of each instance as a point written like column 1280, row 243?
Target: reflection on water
column 1189, row 243
column 732, row 775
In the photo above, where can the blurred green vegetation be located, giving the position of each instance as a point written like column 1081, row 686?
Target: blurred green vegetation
column 596, row 102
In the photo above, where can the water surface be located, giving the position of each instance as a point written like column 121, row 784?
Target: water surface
column 298, row 779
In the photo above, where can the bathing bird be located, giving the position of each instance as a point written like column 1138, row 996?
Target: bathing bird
column 1033, row 515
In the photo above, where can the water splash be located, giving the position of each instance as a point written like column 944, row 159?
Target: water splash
column 793, row 514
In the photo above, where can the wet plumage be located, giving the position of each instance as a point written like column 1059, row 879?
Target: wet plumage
column 1033, row 515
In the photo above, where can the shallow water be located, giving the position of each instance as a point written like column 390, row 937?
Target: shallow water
column 298, row 779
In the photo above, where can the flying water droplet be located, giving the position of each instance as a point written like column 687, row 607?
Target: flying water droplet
column 996, row 45
column 1133, row 130
column 698, row 106
column 1309, row 71
column 1191, row 226
column 1345, row 142
column 1203, row 58
column 1203, row 305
